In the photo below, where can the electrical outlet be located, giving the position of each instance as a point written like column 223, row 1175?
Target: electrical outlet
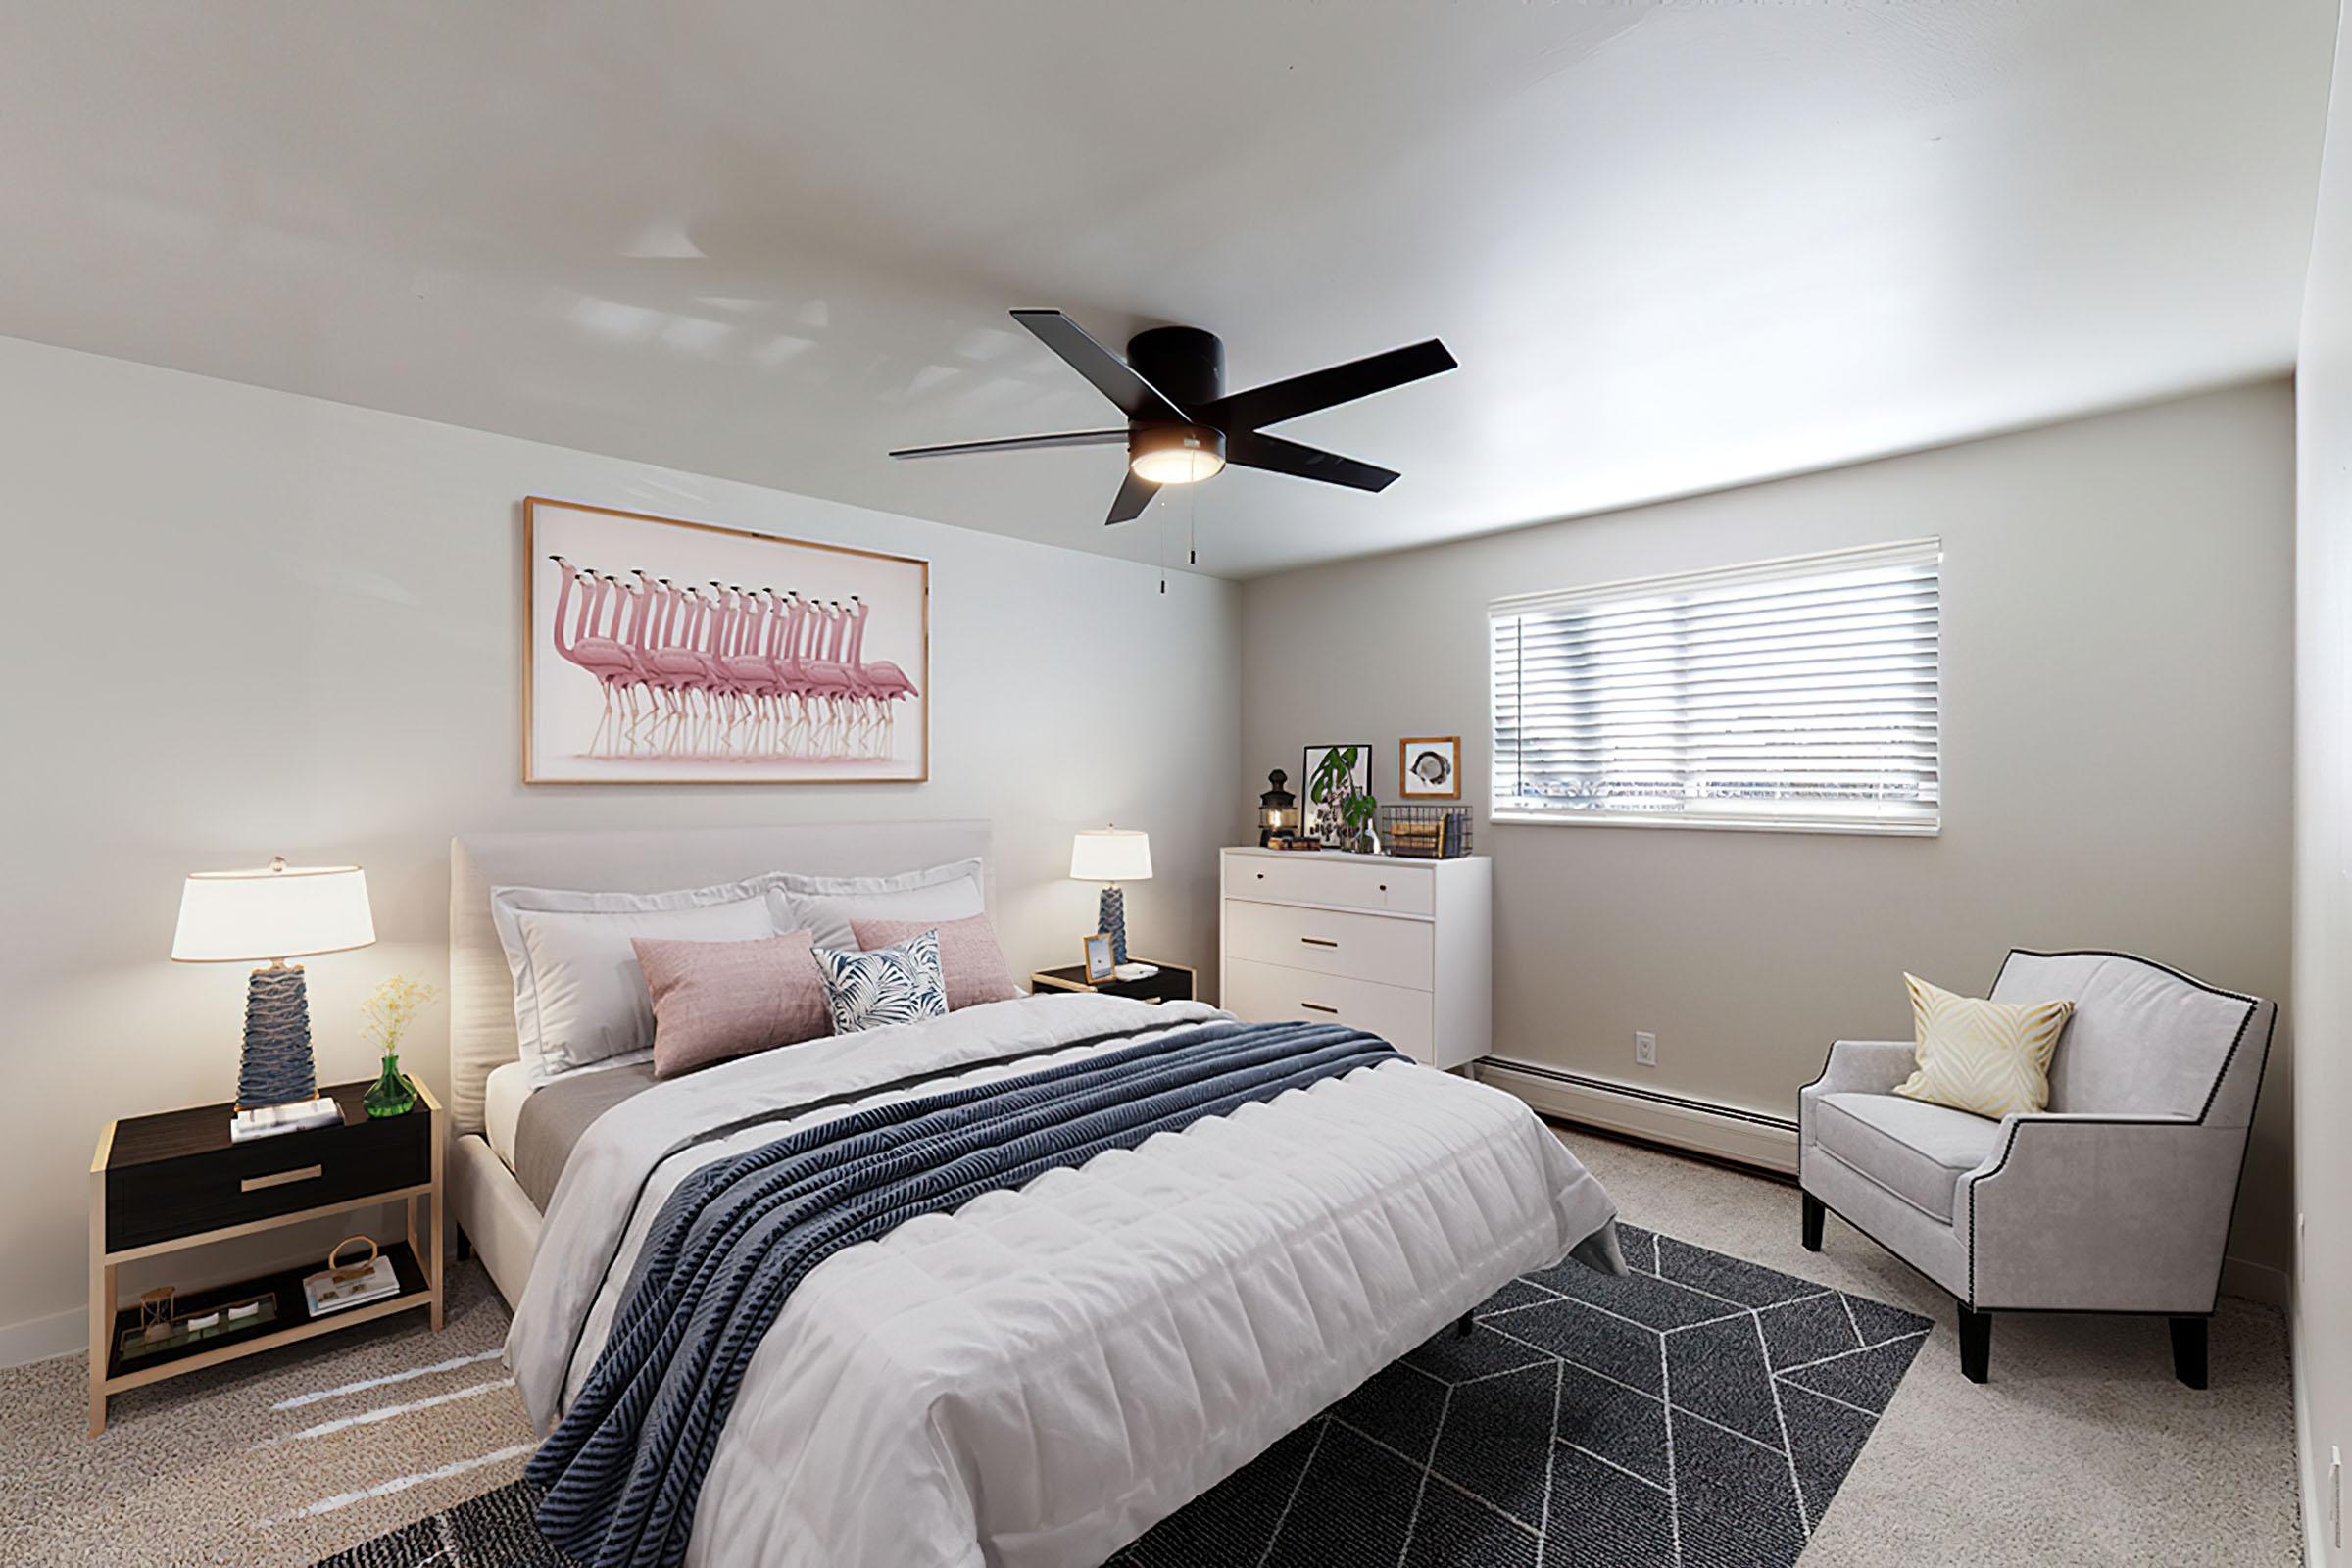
column 1645, row 1049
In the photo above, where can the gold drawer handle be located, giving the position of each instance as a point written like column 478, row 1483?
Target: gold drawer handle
column 1317, row 1006
column 281, row 1178
column 1319, row 942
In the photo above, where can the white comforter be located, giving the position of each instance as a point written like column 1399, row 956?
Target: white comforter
column 1034, row 1380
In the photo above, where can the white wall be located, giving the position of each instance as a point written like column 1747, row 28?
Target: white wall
column 2323, row 994
column 2116, row 683
column 245, row 622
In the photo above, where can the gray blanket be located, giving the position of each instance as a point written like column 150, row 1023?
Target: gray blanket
column 559, row 1112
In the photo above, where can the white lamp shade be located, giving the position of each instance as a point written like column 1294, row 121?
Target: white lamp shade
column 1111, row 854
column 273, row 911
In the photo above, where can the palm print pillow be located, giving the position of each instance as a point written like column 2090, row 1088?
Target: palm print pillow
column 897, row 984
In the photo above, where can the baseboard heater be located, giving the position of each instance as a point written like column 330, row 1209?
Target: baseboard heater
column 1726, row 1132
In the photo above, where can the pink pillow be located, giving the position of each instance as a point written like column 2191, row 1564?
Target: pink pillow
column 715, row 999
column 967, row 950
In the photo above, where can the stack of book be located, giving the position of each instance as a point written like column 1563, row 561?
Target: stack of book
column 269, row 1121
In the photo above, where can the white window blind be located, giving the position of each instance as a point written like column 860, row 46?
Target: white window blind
column 1798, row 694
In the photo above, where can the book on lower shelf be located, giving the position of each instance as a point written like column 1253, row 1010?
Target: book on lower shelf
column 336, row 1290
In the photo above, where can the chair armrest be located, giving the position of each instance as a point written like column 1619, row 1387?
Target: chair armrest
column 1864, row 1066
column 2101, row 1213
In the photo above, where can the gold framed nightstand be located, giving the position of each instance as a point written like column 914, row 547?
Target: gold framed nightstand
column 169, row 1182
column 1173, row 983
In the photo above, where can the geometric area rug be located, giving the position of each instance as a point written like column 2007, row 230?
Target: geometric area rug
column 1698, row 1414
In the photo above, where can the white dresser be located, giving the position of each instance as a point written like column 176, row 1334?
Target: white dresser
column 1402, row 949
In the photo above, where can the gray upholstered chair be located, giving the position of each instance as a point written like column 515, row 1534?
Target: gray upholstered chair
column 2118, row 1198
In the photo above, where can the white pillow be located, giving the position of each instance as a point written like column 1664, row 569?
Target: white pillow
column 579, row 995
column 826, row 905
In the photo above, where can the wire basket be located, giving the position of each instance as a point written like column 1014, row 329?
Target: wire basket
column 1424, row 832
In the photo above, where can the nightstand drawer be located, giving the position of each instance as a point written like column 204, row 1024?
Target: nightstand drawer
column 1364, row 947
column 165, row 1199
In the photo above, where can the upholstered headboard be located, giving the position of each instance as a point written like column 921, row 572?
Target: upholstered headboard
column 481, row 1001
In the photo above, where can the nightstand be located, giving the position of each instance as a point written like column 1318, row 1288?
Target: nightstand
column 1173, row 983
column 169, row 1182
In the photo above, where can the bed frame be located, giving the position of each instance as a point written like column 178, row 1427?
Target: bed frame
column 488, row 1203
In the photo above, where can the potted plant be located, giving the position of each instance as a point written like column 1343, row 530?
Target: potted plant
column 389, row 1010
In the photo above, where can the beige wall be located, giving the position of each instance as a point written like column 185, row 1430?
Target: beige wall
column 2323, row 994
column 2117, row 637
column 243, row 622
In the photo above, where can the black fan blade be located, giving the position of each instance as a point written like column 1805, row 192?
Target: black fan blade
column 1278, row 401
column 1017, row 443
column 1135, row 494
column 1137, row 398
column 1255, row 449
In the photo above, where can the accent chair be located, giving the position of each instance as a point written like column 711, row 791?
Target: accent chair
column 2117, row 1199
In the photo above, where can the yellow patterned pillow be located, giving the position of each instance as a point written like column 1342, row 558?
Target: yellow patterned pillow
column 1991, row 1058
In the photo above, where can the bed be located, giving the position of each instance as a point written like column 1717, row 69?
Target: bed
column 1034, row 1378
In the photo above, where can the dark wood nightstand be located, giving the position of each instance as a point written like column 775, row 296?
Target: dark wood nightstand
column 166, row 1183
column 1173, row 983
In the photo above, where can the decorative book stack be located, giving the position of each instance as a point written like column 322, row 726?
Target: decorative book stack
column 1425, row 832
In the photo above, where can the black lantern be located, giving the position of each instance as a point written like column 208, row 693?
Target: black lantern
column 1277, row 812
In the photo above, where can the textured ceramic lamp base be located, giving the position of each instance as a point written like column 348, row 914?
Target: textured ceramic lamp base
column 277, row 1068
column 1111, row 917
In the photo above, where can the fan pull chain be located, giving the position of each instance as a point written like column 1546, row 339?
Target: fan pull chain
column 1192, row 526
column 1162, row 532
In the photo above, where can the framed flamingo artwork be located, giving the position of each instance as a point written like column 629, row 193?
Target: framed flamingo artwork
column 657, row 651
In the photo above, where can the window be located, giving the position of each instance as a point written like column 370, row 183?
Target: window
column 1795, row 693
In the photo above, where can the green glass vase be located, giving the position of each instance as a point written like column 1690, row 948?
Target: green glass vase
column 391, row 1094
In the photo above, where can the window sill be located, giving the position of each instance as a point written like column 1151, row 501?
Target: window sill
column 1722, row 824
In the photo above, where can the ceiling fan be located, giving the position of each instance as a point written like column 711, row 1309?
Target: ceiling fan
column 1183, row 427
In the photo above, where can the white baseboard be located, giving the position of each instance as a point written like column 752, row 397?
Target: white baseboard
column 1726, row 1132
column 2257, row 1282
column 40, row 1339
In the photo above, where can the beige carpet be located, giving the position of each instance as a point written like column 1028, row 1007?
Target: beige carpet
column 2082, row 1450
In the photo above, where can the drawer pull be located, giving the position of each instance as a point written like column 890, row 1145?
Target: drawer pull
column 1317, row 1006
column 1319, row 942
column 281, row 1178
column 1383, row 887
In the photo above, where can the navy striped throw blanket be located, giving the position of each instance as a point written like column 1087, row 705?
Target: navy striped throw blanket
column 623, row 1470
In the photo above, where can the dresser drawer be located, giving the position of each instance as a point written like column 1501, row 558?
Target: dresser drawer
column 1361, row 947
column 1398, row 888
column 163, row 1199
column 1264, row 993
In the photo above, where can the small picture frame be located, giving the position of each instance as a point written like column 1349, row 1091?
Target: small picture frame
column 1429, row 767
column 1098, row 958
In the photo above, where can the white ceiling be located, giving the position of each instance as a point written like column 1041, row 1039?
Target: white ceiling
column 1674, row 246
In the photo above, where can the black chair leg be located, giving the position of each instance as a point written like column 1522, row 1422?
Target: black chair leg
column 1462, row 1328
column 1813, row 1214
column 1976, row 1343
column 2189, row 1350
column 465, row 1246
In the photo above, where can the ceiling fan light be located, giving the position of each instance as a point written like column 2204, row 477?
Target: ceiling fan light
column 1176, row 454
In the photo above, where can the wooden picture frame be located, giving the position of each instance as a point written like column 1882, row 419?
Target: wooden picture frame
column 1440, row 756
column 1097, row 960
column 820, row 673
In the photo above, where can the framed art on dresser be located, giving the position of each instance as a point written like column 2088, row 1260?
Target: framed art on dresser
column 657, row 651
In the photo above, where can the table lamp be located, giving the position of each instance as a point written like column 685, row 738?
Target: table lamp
column 1111, row 856
column 267, row 915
